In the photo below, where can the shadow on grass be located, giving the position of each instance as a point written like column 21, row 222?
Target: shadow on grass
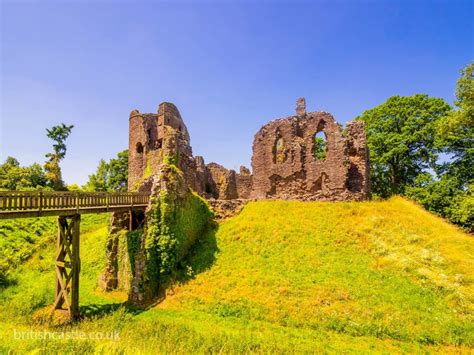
column 6, row 281
column 100, row 310
column 200, row 258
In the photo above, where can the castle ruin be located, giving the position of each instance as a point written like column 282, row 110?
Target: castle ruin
column 308, row 156
column 285, row 164
column 290, row 162
column 155, row 137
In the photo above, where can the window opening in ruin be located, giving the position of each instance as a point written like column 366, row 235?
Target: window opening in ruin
column 319, row 146
column 148, row 132
column 139, row 148
column 179, row 128
column 279, row 151
column 354, row 179
column 160, row 143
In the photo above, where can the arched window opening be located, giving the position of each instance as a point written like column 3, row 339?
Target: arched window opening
column 320, row 146
column 139, row 148
column 279, row 150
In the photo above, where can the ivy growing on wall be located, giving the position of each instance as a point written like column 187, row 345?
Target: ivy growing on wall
column 177, row 218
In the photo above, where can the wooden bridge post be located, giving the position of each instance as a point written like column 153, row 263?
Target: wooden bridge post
column 68, row 264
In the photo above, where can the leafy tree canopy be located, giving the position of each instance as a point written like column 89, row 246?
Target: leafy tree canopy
column 401, row 139
column 455, row 132
column 110, row 176
column 59, row 135
column 405, row 137
column 15, row 177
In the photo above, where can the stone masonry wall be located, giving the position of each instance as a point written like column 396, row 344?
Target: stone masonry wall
column 244, row 183
column 285, row 166
column 283, row 162
column 224, row 182
column 154, row 137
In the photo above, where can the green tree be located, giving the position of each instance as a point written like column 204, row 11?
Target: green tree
column 10, row 174
column 36, row 176
column 451, row 194
column 74, row 187
column 455, row 134
column 98, row 180
column 401, row 140
column 111, row 176
column 59, row 135
column 15, row 177
column 118, row 172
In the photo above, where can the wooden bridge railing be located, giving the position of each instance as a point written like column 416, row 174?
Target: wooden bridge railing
column 14, row 204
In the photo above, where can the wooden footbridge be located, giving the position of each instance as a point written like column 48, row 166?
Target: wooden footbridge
column 68, row 206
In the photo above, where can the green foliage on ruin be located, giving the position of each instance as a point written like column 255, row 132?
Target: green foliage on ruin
column 319, row 148
column 280, row 151
column 128, row 246
column 148, row 172
column 172, row 159
column 175, row 222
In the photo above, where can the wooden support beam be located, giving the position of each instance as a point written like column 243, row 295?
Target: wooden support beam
column 68, row 264
column 76, row 266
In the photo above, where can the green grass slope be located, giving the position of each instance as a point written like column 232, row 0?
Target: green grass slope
column 21, row 238
column 279, row 277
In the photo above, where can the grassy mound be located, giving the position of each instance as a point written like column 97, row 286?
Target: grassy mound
column 281, row 276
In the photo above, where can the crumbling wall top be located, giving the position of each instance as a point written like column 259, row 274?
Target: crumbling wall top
column 307, row 157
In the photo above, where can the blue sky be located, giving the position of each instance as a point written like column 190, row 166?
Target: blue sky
column 229, row 66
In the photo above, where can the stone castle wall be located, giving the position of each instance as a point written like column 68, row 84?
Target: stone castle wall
column 155, row 137
column 244, row 183
column 285, row 166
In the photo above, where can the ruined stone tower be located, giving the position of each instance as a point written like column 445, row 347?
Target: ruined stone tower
column 154, row 137
column 151, row 138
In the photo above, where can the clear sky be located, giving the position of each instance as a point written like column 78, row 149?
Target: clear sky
column 229, row 66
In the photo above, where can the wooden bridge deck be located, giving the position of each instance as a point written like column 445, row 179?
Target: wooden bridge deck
column 18, row 204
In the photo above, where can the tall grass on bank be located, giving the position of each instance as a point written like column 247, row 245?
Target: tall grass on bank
column 20, row 238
